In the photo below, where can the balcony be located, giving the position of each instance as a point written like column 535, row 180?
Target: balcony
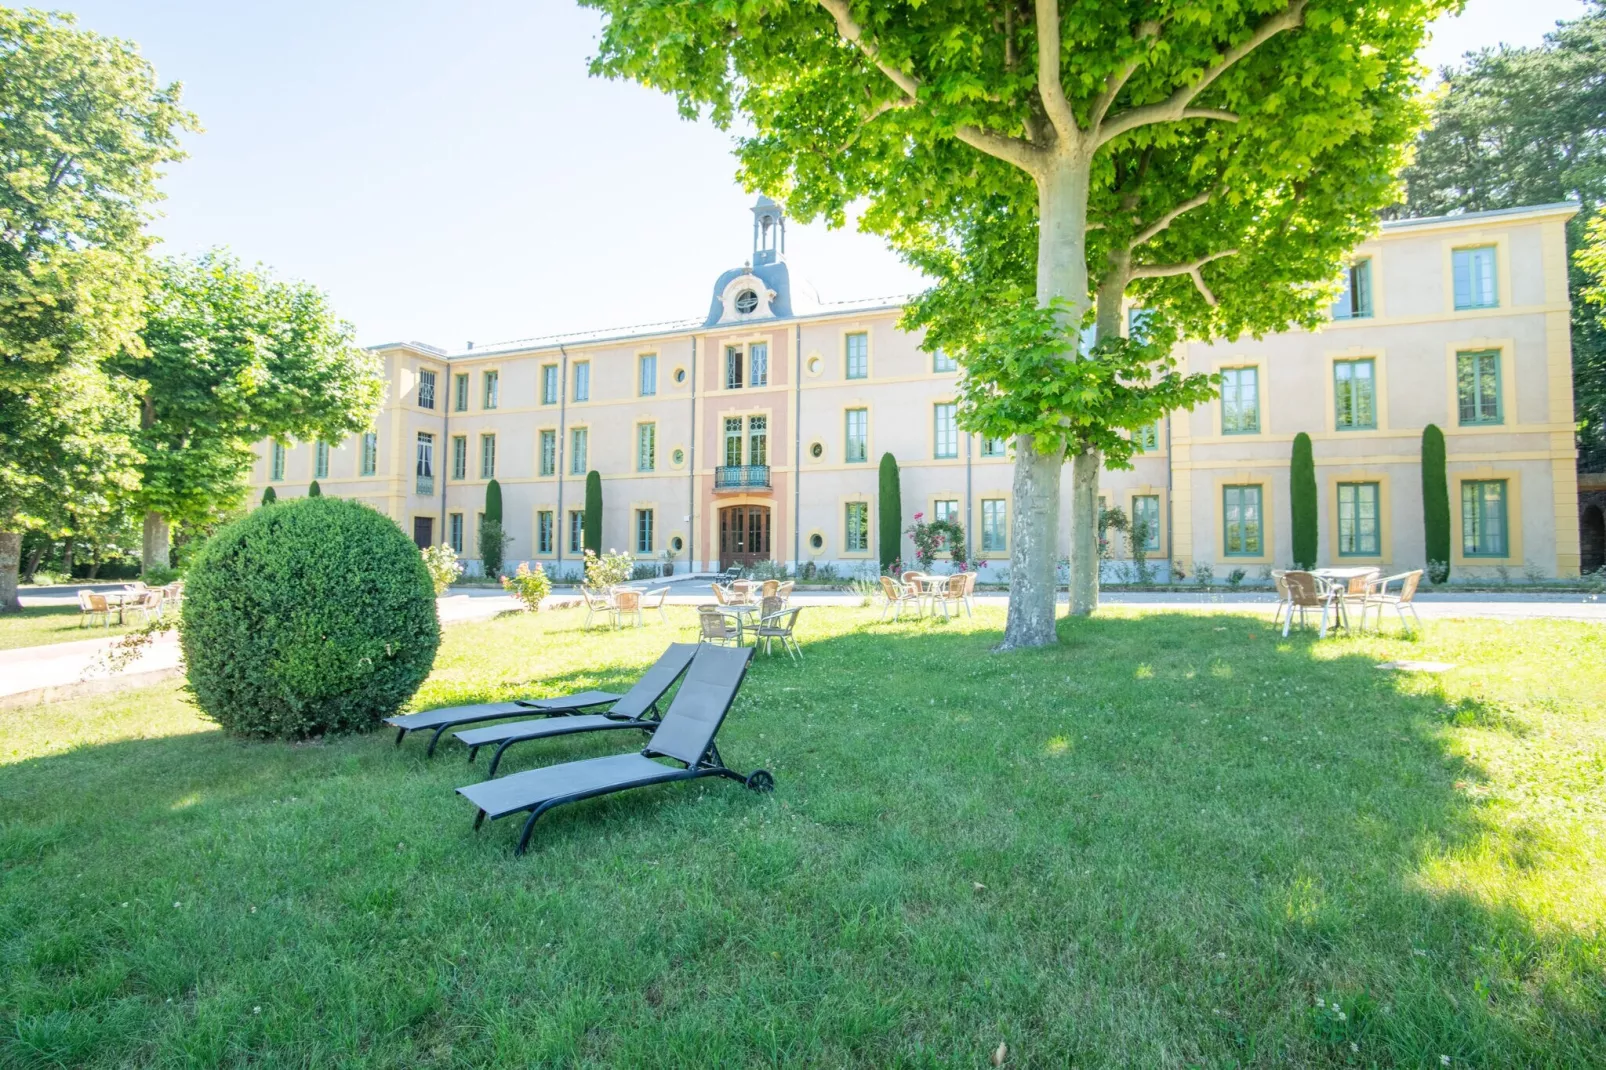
column 426, row 486
column 729, row 478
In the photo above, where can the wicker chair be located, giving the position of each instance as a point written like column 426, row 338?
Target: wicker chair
column 769, row 589
column 92, row 605
column 654, row 599
column 970, row 592
column 1307, row 592
column 951, row 592
column 626, row 600
column 716, row 627
column 173, row 594
column 784, row 591
column 722, row 596
column 778, row 625
column 147, row 602
column 897, row 596
column 597, row 604
column 1401, row 600
column 912, row 578
column 1277, row 577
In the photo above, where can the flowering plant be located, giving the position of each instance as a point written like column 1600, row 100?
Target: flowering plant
column 443, row 566
column 932, row 538
column 528, row 586
column 608, row 570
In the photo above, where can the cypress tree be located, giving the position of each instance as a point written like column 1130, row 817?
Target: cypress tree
column 592, row 525
column 891, row 511
column 315, row 491
column 1302, row 500
column 269, row 497
column 1435, row 505
column 493, row 501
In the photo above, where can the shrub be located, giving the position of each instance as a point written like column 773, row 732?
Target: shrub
column 158, row 576
column 269, row 497
column 528, row 586
column 1302, row 502
column 443, row 566
column 315, row 491
column 493, row 542
column 591, row 525
column 931, row 539
column 1204, row 574
column 493, row 501
column 1236, row 577
column 1435, row 505
column 891, row 506
column 609, row 569
column 314, row 616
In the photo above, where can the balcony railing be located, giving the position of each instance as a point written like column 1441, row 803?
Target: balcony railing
column 426, row 485
column 742, row 477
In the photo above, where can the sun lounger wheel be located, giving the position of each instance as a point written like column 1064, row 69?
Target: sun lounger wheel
column 760, row 780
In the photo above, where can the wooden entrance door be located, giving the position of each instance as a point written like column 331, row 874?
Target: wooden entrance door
column 744, row 535
column 424, row 531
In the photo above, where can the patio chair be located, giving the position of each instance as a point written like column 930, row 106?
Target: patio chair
column 685, row 735
column 626, row 600
column 784, row 591
column 1401, row 600
column 731, row 574
column 638, row 708
column 655, row 600
column 951, row 592
column 715, row 627
column 778, row 625
column 173, row 594
column 1278, row 578
column 677, row 657
column 970, row 592
column 897, row 596
column 769, row 588
column 724, row 597
column 92, row 605
column 912, row 578
column 597, row 603
column 1306, row 592
column 146, row 602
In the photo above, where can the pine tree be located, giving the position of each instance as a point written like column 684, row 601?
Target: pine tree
column 1302, row 499
column 891, row 505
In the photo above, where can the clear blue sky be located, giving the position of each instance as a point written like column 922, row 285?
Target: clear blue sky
column 448, row 172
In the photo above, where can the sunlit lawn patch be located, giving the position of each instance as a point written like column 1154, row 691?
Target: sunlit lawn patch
column 1175, row 839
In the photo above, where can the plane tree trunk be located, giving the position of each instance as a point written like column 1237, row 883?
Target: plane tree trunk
column 156, row 550
column 10, row 559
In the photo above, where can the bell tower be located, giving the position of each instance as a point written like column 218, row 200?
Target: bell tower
column 769, row 232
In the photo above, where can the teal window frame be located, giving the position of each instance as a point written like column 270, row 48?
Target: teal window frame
column 1355, row 303
column 577, row 530
column 426, row 389
column 856, row 355
column 1470, row 389
column 1147, row 438
column 320, row 460
column 1353, row 538
column 945, row 431
column 758, row 364
column 550, row 389
column 579, row 443
column 459, row 457
column 1148, row 503
column 582, row 381
column 646, row 447
column 1234, row 497
column 487, row 456
column 1475, row 282
column 460, row 392
column 454, row 532
column 370, row 453
column 276, row 464
column 945, row 509
column 733, row 441
column 758, row 440
column 549, row 453
column 994, row 525
column 543, row 531
column 994, row 447
column 644, row 533
column 1476, row 518
column 856, row 527
column 733, row 367
column 856, row 446
column 1346, row 390
column 1233, row 381
column 491, row 386
column 942, row 361
column 647, row 375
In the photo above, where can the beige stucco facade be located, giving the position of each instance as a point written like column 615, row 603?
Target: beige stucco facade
column 832, row 389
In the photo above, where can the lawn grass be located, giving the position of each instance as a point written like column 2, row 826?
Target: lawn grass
column 45, row 625
column 1174, row 840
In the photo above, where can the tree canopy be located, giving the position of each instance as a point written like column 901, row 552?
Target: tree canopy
column 938, row 113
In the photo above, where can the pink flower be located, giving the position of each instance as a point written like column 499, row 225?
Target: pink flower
column 919, row 515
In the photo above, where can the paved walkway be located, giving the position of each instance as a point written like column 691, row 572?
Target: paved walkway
column 62, row 670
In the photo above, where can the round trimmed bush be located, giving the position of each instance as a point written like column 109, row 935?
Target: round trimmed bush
column 315, row 616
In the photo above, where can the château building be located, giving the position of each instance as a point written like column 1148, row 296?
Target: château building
column 754, row 432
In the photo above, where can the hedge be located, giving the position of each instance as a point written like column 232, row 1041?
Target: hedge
column 1302, row 501
column 891, row 512
column 312, row 617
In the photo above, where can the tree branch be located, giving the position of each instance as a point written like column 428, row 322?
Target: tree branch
column 1159, row 271
column 853, row 33
column 1021, row 153
column 1153, row 229
column 875, row 113
column 1049, row 86
column 1112, row 87
column 1176, row 107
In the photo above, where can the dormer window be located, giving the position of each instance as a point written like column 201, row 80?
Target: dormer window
column 746, row 302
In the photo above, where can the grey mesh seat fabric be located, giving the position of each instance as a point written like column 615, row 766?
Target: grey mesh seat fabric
column 670, row 664
column 637, row 709
column 686, row 735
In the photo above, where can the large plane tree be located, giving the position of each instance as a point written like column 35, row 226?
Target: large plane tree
column 913, row 106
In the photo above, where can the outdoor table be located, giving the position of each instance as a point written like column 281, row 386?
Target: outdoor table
column 120, row 600
column 741, row 614
column 1340, row 578
column 928, row 586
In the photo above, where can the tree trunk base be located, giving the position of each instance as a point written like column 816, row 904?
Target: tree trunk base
column 1033, row 580
column 10, row 559
column 1084, row 594
column 157, row 550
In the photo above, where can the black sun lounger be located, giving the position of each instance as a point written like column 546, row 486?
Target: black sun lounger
column 677, row 657
column 637, row 709
column 686, row 735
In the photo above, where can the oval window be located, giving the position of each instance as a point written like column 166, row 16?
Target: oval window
column 678, row 456
column 746, row 301
column 817, row 450
column 677, row 544
column 814, row 365
column 680, row 375
column 817, row 541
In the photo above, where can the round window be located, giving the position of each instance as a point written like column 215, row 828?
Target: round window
column 817, row 541
column 678, row 456
column 817, row 450
column 746, row 301
column 680, row 375
column 677, row 544
column 814, row 365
